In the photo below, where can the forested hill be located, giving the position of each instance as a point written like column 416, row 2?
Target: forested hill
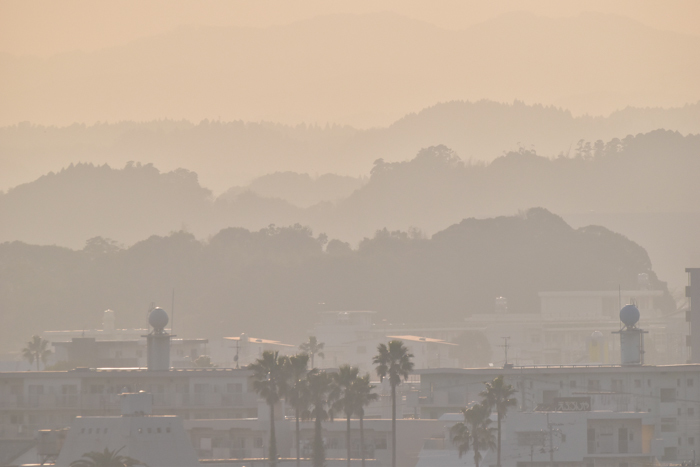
column 225, row 285
column 647, row 173
column 232, row 153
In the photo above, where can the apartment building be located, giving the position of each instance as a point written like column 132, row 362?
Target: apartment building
column 31, row 401
column 668, row 397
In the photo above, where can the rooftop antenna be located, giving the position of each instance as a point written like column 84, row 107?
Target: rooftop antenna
column 505, row 347
column 236, row 357
column 619, row 299
column 172, row 311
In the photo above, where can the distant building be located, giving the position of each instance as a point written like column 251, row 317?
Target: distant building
column 243, row 350
column 156, row 441
column 351, row 337
column 110, row 347
column 665, row 399
column 31, row 401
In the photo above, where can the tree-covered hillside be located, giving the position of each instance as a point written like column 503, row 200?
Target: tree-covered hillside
column 272, row 282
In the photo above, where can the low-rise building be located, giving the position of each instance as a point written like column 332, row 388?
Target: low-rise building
column 668, row 397
column 31, row 401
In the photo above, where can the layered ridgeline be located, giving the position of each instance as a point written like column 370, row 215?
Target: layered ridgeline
column 223, row 285
column 233, row 153
column 642, row 186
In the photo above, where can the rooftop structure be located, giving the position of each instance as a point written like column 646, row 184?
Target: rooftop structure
column 156, row 441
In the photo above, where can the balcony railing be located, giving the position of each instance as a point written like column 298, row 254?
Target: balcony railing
column 111, row 401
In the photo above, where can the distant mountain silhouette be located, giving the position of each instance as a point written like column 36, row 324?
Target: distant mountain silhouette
column 223, row 284
column 226, row 154
column 85, row 201
column 299, row 189
column 644, row 186
column 363, row 70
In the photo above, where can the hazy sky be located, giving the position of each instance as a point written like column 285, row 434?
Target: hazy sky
column 48, row 27
column 360, row 63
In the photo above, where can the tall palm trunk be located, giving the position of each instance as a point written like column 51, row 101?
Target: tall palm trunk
column 347, row 438
column 393, row 426
column 319, row 455
column 362, row 440
column 498, row 453
column 477, row 457
column 296, row 412
column 273, row 439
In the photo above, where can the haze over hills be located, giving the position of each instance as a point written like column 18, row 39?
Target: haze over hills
column 362, row 70
column 644, row 184
column 223, row 284
column 226, row 154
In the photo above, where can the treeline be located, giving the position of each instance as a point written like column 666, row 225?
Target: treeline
column 274, row 281
column 233, row 153
column 648, row 173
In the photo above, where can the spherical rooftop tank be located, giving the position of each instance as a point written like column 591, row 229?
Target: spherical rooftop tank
column 158, row 319
column 629, row 315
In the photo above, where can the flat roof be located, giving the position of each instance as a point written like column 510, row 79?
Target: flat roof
column 346, row 311
column 600, row 293
column 256, row 340
column 428, row 340
column 135, row 372
column 518, row 370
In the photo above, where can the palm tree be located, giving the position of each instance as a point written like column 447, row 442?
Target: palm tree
column 497, row 395
column 270, row 382
column 474, row 432
column 313, row 348
column 320, row 390
column 393, row 362
column 363, row 396
column 298, row 389
column 36, row 350
column 344, row 398
column 106, row 458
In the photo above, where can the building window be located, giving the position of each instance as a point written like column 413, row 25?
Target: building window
column 670, row 454
column 680, row 441
column 637, row 383
column 668, row 425
column 616, row 385
column 593, row 385
column 572, row 384
column 258, row 442
column 678, row 382
column 691, row 411
column 689, row 383
column 380, row 443
column 668, row 395
column 691, row 441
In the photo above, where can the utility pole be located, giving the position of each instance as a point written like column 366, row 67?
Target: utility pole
column 505, row 347
column 551, row 429
column 551, row 443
